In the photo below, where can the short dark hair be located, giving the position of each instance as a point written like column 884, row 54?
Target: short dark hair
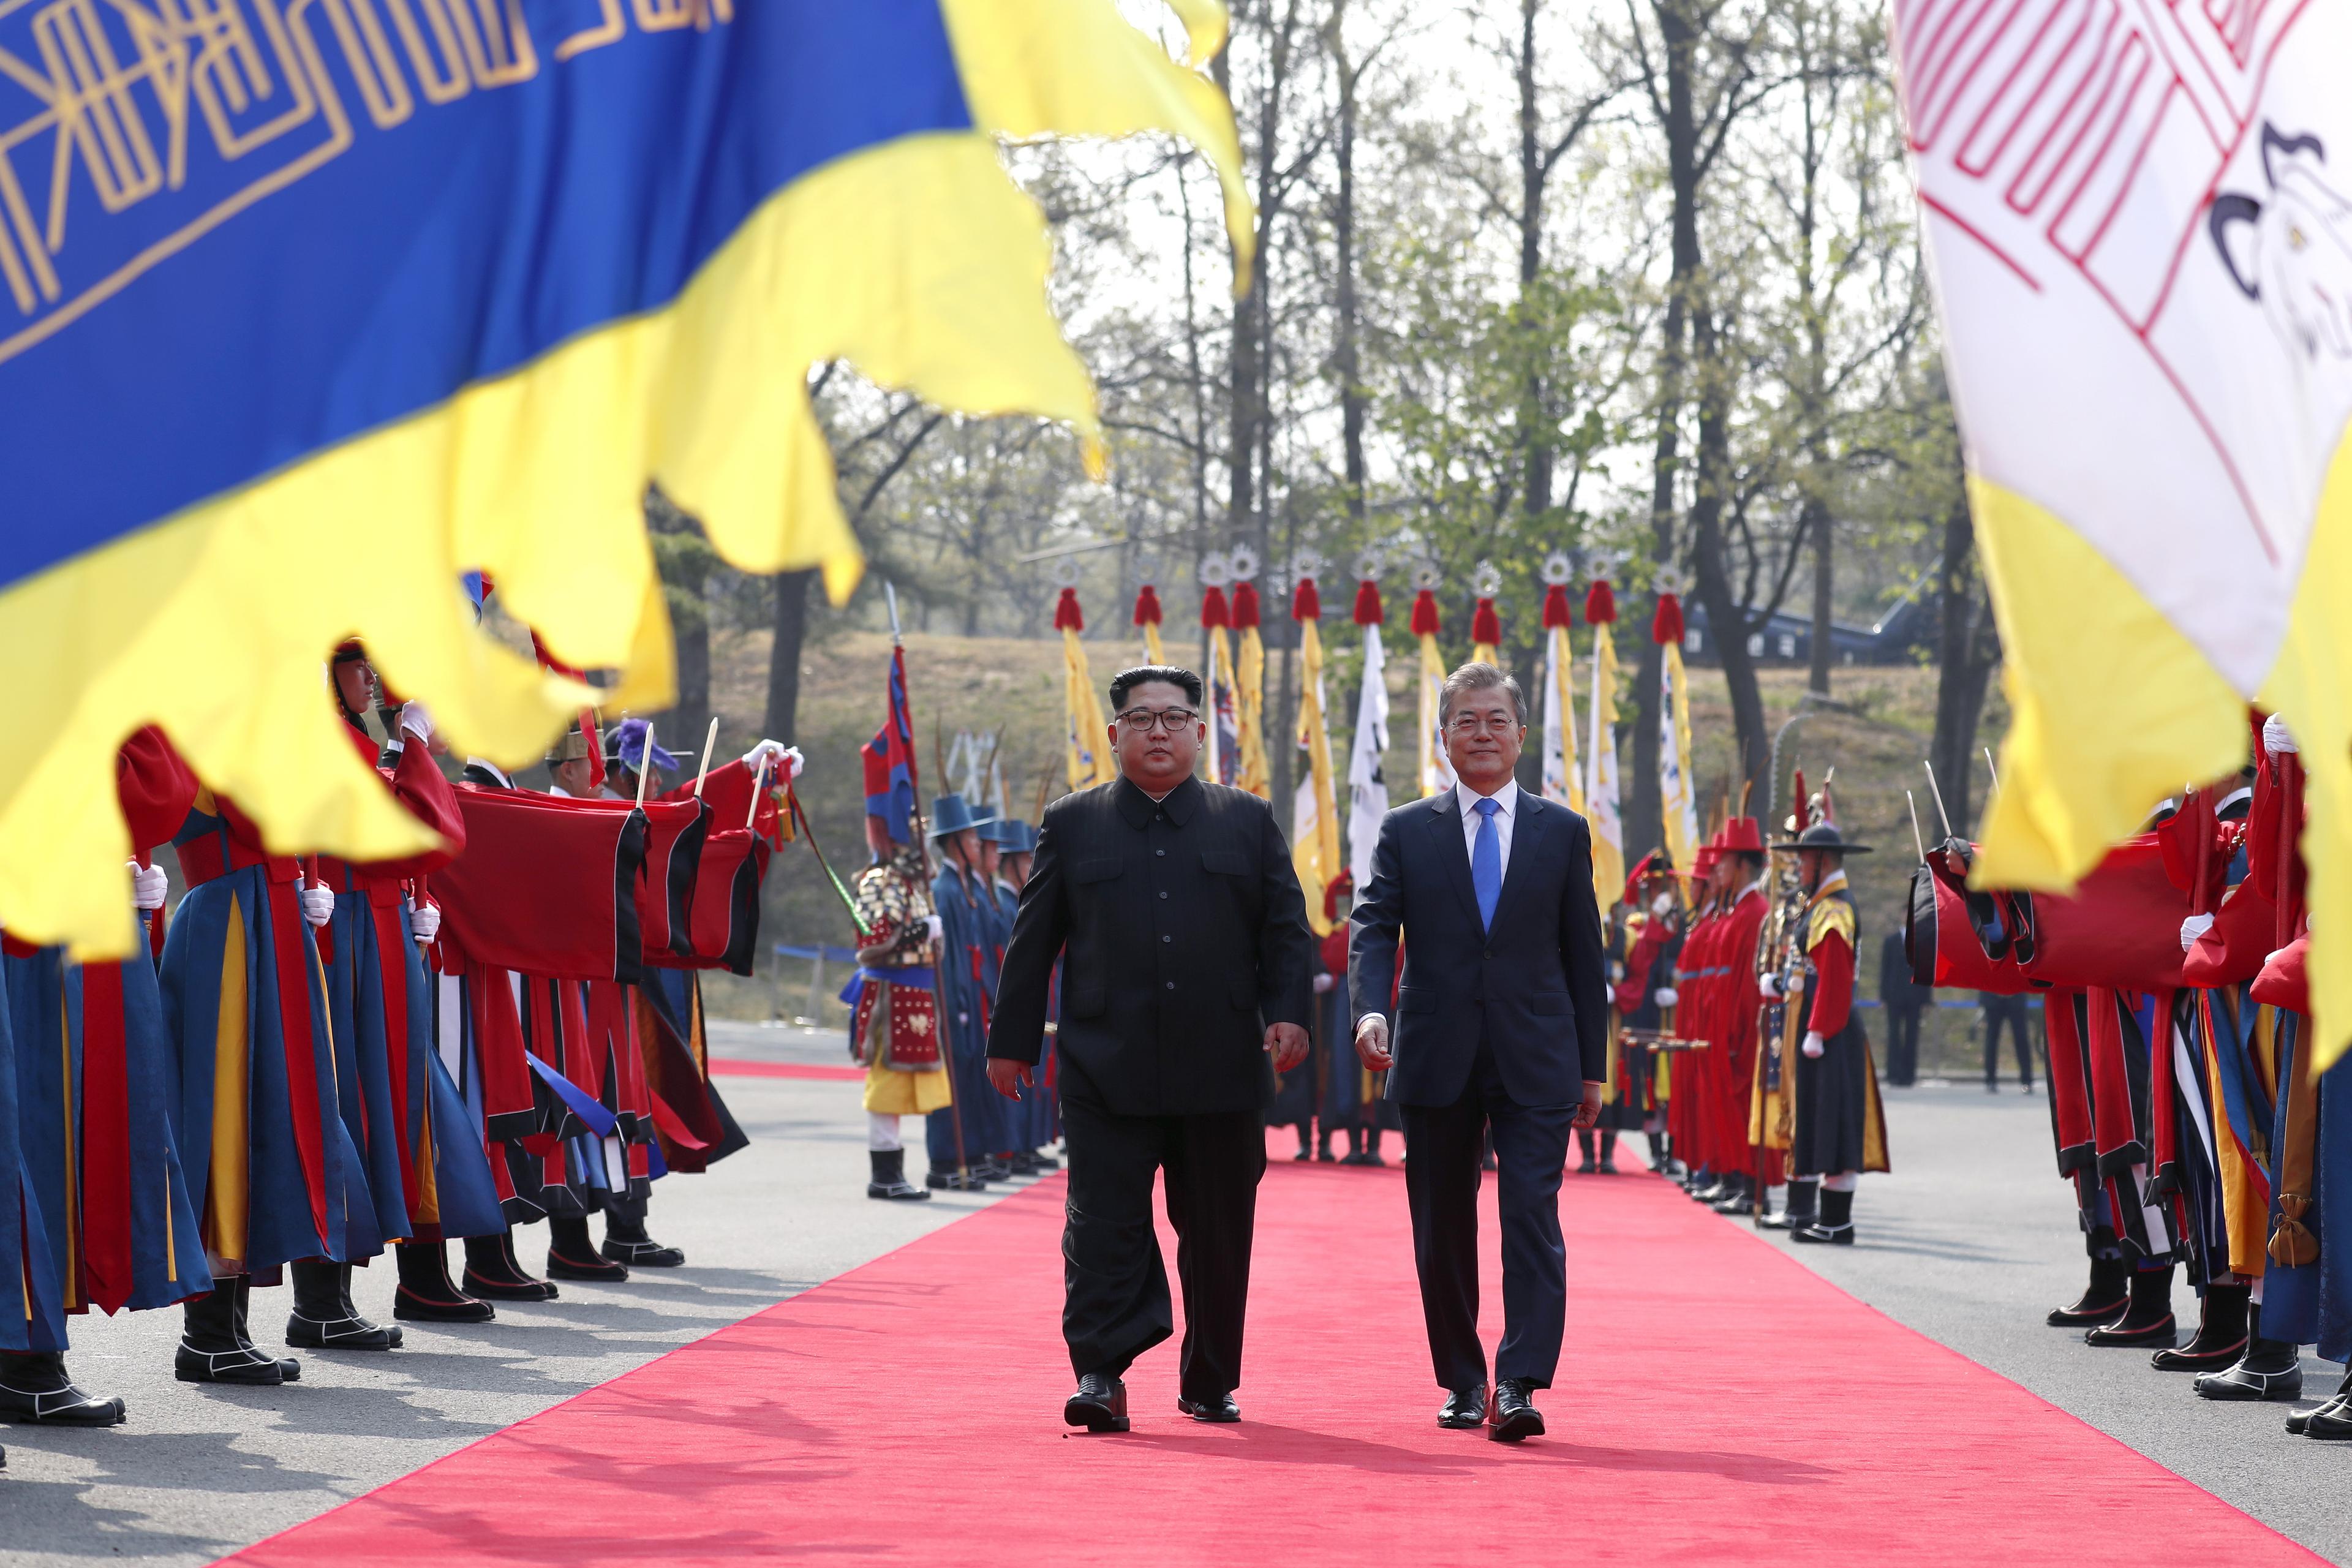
column 1480, row 677
column 1126, row 680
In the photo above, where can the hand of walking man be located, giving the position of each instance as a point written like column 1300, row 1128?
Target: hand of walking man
column 1007, row 1076
column 1288, row 1044
column 1372, row 1043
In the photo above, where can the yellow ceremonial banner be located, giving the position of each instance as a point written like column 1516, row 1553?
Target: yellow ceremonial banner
column 1152, row 651
column 1677, row 794
column 1437, row 771
column 1563, row 778
column 1089, row 761
column 1249, row 717
column 1602, row 809
column 1315, row 815
column 2149, row 336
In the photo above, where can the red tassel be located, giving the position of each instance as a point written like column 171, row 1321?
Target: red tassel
column 1667, row 626
column 1213, row 612
column 1425, row 614
column 1804, row 806
column 1244, row 605
column 1556, row 611
column 1067, row 615
column 1485, row 627
column 1600, row 603
column 1368, row 604
column 1147, row 607
column 1306, row 604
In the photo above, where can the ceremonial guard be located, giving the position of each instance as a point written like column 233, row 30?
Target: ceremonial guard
column 1840, row 1132
column 105, row 1192
column 894, row 1028
column 1653, row 928
column 1015, row 842
column 245, row 995
column 1734, row 1014
column 428, row 1171
column 965, row 1134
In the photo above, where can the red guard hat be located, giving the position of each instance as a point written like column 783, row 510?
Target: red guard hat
column 1742, row 835
column 1342, row 886
column 1654, row 864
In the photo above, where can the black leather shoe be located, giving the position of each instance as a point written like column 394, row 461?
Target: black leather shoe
column 1514, row 1418
column 410, row 1306
column 2124, row 1334
column 2299, row 1424
column 34, row 1389
column 1585, row 1167
column 2190, row 1358
column 1819, row 1235
column 646, row 1254
column 953, row 1182
column 2087, row 1314
column 1465, row 1408
column 2242, row 1382
column 602, row 1270
column 242, row 1364
column 1221, row 1410
column 1098, row 1405
column 1045, row 1162
column 2331, row 1423
column 522, row 1289
column 353, row 1334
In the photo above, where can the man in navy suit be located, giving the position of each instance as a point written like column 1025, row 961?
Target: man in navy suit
column 1502, row 1026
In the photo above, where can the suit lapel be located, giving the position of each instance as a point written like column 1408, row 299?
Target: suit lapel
column 1529, row 827
column 1445, row 823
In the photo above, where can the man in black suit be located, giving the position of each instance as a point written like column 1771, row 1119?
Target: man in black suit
column 1185, row 948
column 1502, row 1026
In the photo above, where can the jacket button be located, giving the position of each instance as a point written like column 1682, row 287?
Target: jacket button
column 1166, row 938
column 1161, row 853
column 1163, row 895
column 1171, row 985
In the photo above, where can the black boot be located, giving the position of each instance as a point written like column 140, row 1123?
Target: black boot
column 323, row 1316
column 2220, row 1333
column 1323, row 1156
column 2271, row 1369
column 1355, row 1155
column 889, row 1180
column 1660, row 1155
column 494, row 1273
column 1043, row 1162
column 1804, row 1206
column 2148, row 1318
column 213, row 1345
column 1585, row 1165
column 1834, row 1224
column 625, row 1241
column 2330, row 1422
column 1305, row 1143
column 1372, row 1136
column 35, row 1389
column 1736, row 1197
column 1608, row 1152
column 289, row 1367
column 427, row 1294
column 572, row 1255
column 2105, row 1298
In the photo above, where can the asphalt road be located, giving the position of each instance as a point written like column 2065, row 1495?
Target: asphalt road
column 199, row 1472
column 1969, row 1241
column 1972, row 1238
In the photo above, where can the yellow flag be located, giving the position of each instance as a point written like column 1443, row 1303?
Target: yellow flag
column 1249, row 704
column 1089, row 743
column 1601, row 807
column 1315, row 817
column 1563, row 777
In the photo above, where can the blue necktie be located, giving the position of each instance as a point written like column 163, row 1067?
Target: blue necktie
column 1486, row 863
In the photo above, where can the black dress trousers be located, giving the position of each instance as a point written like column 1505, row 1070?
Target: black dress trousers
column 1116, row 1304
column 1443, row 1148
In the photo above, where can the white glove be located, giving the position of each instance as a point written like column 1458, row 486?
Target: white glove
column 415, row 721
column 1322, row 984
column 424, row 921
column 2277, row 739
column 148, row 884
column 1663, row 905
column 2192, row 928
column 1667, row 995
column 1814, row 1045
column 783, row 762
column 317, row 905
column 1770, row 985
column 936, row 927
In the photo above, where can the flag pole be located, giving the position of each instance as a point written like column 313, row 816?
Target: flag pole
column 709, row 744
column 923, row 859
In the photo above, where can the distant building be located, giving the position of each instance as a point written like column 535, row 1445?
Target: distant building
column 1787, row 639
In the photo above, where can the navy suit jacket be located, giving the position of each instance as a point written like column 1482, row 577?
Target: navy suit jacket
column 1534, row 989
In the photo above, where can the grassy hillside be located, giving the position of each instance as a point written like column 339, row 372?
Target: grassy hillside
column 1874, row 737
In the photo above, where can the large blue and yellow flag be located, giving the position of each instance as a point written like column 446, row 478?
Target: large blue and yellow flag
column 308, row 307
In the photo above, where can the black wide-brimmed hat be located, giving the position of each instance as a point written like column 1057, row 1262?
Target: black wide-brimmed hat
column 1823, row 835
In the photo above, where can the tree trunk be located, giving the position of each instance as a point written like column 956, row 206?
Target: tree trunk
column 785, row 657
column 1535, row 446
column 1753, row 744
column 1815, row 522
column 1960, row 680
column 1346, row 358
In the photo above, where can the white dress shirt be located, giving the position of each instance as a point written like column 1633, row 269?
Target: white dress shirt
column 1508, row 798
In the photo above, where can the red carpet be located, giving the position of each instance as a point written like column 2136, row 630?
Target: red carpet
column 740, row 1067
column 1720, row 1404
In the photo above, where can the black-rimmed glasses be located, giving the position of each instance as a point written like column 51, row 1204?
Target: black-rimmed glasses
column 1142, row 721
